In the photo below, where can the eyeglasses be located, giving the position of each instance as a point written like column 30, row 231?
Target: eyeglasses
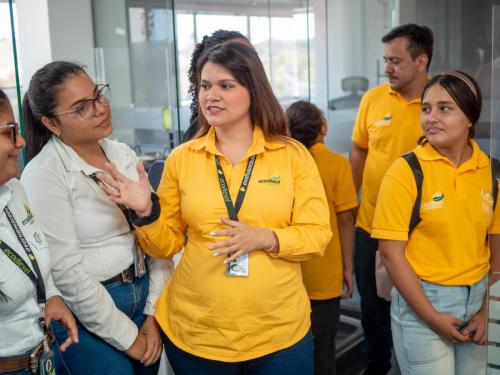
column 12, row 129
column 86, row 108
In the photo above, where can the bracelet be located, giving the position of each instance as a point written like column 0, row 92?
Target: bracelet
column 275, row 242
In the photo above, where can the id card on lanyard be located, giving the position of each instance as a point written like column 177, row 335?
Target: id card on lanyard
column 45, row 365
column 240, row 266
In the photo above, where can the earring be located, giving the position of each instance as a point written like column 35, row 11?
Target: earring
column 57, row 133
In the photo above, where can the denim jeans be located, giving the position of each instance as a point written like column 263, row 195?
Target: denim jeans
column 325, row 316
column 375, row 311
column 295, row 360
column 420, row 350
column 92, row 355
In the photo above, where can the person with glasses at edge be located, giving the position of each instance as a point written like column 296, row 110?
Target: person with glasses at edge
column 439, row 310
column 208, row 41
column 97, row 264
column 29, row 301
column 251, row 202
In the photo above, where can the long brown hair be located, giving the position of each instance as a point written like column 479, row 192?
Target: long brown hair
column 246, row 67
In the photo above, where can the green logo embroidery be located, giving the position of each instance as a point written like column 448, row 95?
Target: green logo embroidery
column 437, row 198
column 388, row 117
column 274, row 180
column 29, row 218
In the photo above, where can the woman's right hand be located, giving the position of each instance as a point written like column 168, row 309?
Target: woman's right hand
column 448, row 327
column 136, row 351
column 136, row 195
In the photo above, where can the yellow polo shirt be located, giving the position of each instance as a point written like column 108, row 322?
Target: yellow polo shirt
column 449, row 245
column 203, row 311
column 388, row 126
column 323, row 276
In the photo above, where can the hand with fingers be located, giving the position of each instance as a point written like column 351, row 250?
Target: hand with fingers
column 242, row 239
column 348, row 283
column 448, row 327
column 56, row 309
column 154, row 344
column 136, row 195
column 476, row 327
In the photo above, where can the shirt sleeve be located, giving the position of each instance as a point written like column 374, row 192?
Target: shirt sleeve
column 395, row 202
column 165, row 236
column 360, row 130
column 160, row 271
column 344, row 193
column 309, row 229
column 86, row 297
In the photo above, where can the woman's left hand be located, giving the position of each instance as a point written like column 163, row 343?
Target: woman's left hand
column 154, row 343
column 242, row 239
column 476, row 327
column 55, row 309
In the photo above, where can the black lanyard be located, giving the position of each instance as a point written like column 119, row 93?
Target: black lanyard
column 123, row 209
column 36, row 276
column 234, row 209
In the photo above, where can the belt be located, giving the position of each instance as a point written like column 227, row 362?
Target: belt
column 26, row 362
column 124, row 276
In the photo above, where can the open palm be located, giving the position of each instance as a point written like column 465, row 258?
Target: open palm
column 136, row 195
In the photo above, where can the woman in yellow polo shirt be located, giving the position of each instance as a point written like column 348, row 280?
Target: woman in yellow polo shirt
column 252, row 205
column 440, row 271
column 324, row 277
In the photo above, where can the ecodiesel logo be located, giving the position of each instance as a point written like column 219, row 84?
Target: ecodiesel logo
column 386, row 120
column 274, row 180
column 29, row 219
column 487, row 202
column 437, row 201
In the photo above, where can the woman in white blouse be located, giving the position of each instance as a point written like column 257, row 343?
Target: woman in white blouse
column 97, row 264
column 27, row 302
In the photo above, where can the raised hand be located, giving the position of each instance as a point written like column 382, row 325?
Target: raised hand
column 242, row 239
column 136, row 195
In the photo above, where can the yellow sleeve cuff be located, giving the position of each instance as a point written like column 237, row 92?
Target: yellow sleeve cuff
column 383, row 234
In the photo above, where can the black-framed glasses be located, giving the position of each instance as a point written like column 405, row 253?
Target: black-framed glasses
column 12, row 129
column 86, row 108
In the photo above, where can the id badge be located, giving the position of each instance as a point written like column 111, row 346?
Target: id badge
column 46, row 364
column 238, row 267
column 139, row 261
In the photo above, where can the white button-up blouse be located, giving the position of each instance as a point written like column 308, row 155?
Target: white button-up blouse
column 19, row 313
column 89, row 237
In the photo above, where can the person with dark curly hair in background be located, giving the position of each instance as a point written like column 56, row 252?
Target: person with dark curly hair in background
column 208, row 41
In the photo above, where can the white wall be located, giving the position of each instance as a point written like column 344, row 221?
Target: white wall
column 53, row 30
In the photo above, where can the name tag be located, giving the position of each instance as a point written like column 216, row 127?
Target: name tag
column 238, row 267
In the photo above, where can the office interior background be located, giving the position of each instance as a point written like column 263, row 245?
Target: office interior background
column 325, row 51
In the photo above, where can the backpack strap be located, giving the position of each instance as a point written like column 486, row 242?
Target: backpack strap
column 412, row 160
column 495, row 175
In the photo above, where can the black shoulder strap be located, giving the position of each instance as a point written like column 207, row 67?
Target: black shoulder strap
column 414, row 164
column 495, row 175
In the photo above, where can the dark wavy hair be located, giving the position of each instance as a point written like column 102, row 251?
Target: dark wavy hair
column 208, row 41
column 420, row 39
column 245, row 66
column 469, row 102
column 41, row 99
column 304, row 121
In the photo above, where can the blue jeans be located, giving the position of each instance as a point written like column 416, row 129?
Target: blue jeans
column 375, row 311
column 420, row 350
column 59, row 365
column 295, row 360
column 92, row 355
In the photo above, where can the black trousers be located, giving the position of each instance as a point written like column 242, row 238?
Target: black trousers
column 325, row 318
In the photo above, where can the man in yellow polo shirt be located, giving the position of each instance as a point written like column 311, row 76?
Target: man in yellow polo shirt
column 387, row 125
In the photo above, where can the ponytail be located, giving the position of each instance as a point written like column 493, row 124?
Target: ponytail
column 37, row 134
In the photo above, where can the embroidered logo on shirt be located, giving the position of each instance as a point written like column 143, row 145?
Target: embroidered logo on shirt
column 487, row 203
column 385, row 121
column 28, row 219
column 274, row 180
column 38, row 238
column 437, row 201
